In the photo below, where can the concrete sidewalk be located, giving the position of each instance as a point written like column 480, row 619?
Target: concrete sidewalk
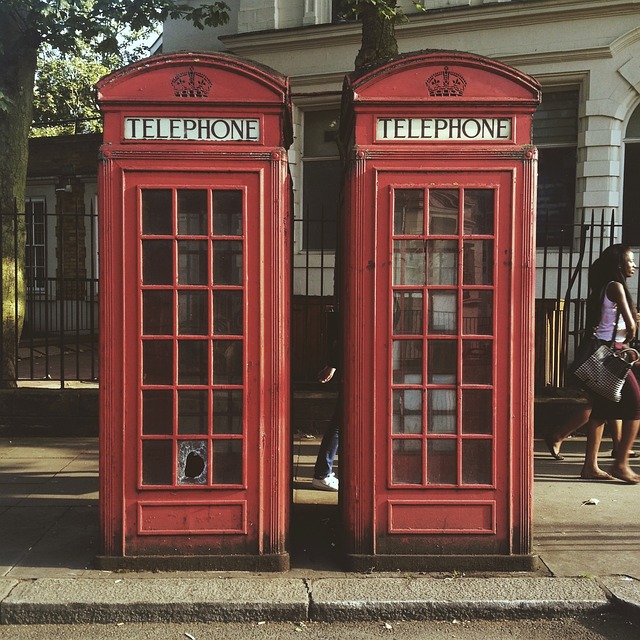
column 590, row 556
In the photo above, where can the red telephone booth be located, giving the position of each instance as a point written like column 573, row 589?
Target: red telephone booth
column 438, row 312
column 194, row 261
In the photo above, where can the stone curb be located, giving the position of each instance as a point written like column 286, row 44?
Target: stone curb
column 239, row 599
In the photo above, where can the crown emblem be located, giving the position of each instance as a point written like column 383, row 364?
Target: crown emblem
column 446, row 83
column 191, row 84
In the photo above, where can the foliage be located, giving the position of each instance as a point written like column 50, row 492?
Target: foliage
column 386, row 9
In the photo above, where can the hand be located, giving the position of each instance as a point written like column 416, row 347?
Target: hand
column 326, row 374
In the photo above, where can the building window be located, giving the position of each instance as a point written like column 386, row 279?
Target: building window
column 35, row 254
column 320, row 181
column 631, row 185
column 555, row 133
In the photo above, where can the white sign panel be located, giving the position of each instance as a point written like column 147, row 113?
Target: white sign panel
column 193, row 129
column 456, row 129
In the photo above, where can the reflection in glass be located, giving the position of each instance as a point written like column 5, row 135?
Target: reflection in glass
column 227, row 262
column 227, row 462
column 478, row 262
column 157, row 412
column 193, row 413
column 477, row 312
column 477, row 411
column 227, row 312
column 442, row 362
column 478, row 212
column 192, row 212
column 441, row 411
column 227, row 362
column 478, row 362
column 442, row 262
column 193, row 356
column 157, row 216
column 227, row 411
column 477, row 461
column 193, row 316
column 407, row 312
column 192, row 262
column 442, row 463
column 443, row 312
column 444, row 205
column 227, row 213
column 157, row 312
column 407, row 411
column 407, row 361
column 157, row 464
column 406, row 463
column 408, row 262
column 157, row 362
column 408, row 212
column 157, row 262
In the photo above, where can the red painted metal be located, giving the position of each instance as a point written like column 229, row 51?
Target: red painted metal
column 194, row 257
column 438, row 311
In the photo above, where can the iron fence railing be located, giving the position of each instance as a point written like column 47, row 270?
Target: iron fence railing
column 54, row 282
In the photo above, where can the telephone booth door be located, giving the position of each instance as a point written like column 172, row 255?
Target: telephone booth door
column 438, row 314
column 194, row 407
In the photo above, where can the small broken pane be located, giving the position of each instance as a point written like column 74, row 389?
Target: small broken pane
column 192, row 462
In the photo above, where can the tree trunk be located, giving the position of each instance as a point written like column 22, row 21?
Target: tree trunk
column 18, row 57
column 378, row 37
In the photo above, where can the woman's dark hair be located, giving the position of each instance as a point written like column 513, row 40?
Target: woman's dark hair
column 610, row 266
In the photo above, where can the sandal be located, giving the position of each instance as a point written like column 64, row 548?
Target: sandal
column 551, row 445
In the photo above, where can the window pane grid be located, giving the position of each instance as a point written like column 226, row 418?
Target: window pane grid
column 442, row 314
column 192, row 338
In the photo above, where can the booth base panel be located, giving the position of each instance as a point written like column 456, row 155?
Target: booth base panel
column 275, row 562
column 445, row 563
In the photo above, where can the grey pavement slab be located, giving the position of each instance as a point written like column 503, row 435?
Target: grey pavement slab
column 625, row 593
column 427, row 598
column 158, row 599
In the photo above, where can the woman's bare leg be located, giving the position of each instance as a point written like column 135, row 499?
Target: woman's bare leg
column 621, row 468
column 590, row 469
column 554, row 439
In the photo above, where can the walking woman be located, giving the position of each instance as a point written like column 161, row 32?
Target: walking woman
column 610, row 309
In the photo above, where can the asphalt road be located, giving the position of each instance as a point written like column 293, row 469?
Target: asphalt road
column 601, row 627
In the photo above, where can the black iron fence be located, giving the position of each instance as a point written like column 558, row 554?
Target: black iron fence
column 50, row 306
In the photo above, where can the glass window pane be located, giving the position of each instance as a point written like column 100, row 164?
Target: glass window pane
column 227, row 213
column 320, row 188
column 192, row 212
column 193, row 312
column 227, row 262
column 227, row 462
column 157, row 463
column 227, row 411
column 407, row 312
column 444, row 205
column 157, row 312
column 443, row 312
column 157, row 218
column 407, row 361
column 442, row 363
column 157, row 412
column 477, row 312
column 408, row 262
column 441, row 411
column 477, row 458
column 478, row 262
column 442, row 462
column 193, row 357
column 477, row 357
column 192, row 262
column 157, row 362
column 157, row 262
column 227, row 312
column 192, row 462
column 442, row 262
column 406, row 463
column 408, row 212
column 193, row 411
column 227, row 362
column 477, row 411
column 478, row 212
column 407, row 411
